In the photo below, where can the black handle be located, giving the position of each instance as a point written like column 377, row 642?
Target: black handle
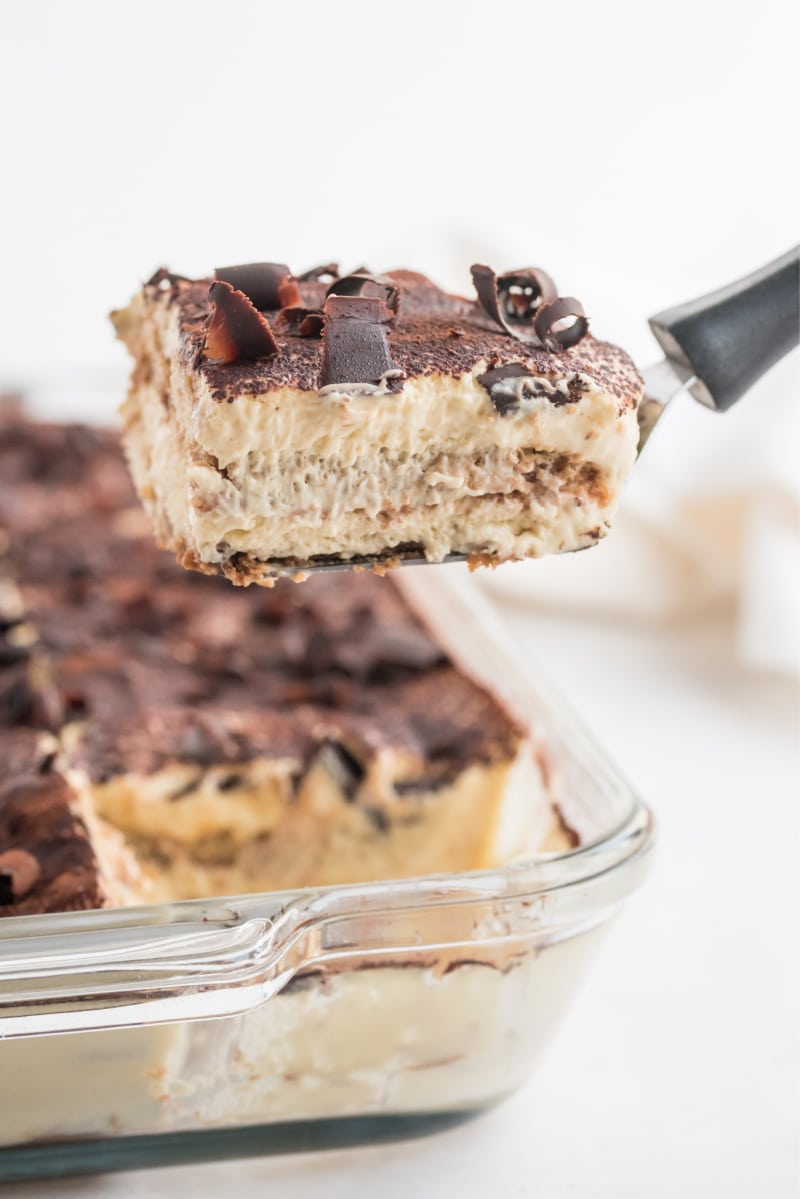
column 731, row 337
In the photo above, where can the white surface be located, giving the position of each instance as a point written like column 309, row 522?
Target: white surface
column 643, row 156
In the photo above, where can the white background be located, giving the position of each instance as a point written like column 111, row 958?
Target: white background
column 641, row 154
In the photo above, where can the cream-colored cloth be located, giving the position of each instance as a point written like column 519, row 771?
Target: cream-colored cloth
column 710, row 520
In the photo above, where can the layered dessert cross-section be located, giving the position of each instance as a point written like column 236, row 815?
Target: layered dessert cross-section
column 276, row 422
column 163, row 736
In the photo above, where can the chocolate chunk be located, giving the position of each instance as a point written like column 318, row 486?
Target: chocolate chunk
column 19, row 874
column 561, row 324
column 355, row 348
column 343, row 767
column 510, row 384
column 362, row 283
column 318, row 274
column 513, row 299
column 300, row 322
column 504, row 399
column 238, row 332
column 383, row 655
column 410, row 649
column 268, row 285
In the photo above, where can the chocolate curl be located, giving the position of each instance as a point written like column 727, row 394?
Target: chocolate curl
column 522, row 292
column 362, row 283
column 566, row 312
column 513, row 299
column 355, row 347
column 300, row 322
column 268, row 285
column 318, row 274
column 238, row 332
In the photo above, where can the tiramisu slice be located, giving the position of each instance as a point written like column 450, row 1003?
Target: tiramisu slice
column 202, row 741
column 274, row 422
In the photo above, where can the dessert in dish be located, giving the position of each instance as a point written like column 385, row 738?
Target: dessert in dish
column 129, row 687
column 165, row 737
column 275, row 422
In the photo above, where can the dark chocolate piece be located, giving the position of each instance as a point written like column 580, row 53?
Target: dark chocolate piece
column 19, row 874
column 504, row 401
column 268, row 285
column 389, row 653
column 362, row 283
column 507, row 398
column 551, row 328
column 238, row 332
column 355, row 348
column 343, row 767
column 513, row 299
column 319, row 274
column 300, row 322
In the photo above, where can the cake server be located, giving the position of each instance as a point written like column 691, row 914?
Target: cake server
column 716, row 348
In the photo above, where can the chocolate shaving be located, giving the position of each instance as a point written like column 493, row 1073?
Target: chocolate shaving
column 19, row 874
column 362, row 283
column 237, row 332
column 551, row 315
column 513, row 299
column 318, row 274
column 268, row 285
column 355, row 347
column 300, row 322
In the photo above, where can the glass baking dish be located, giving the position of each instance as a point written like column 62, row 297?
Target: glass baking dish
column 293, row 1020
